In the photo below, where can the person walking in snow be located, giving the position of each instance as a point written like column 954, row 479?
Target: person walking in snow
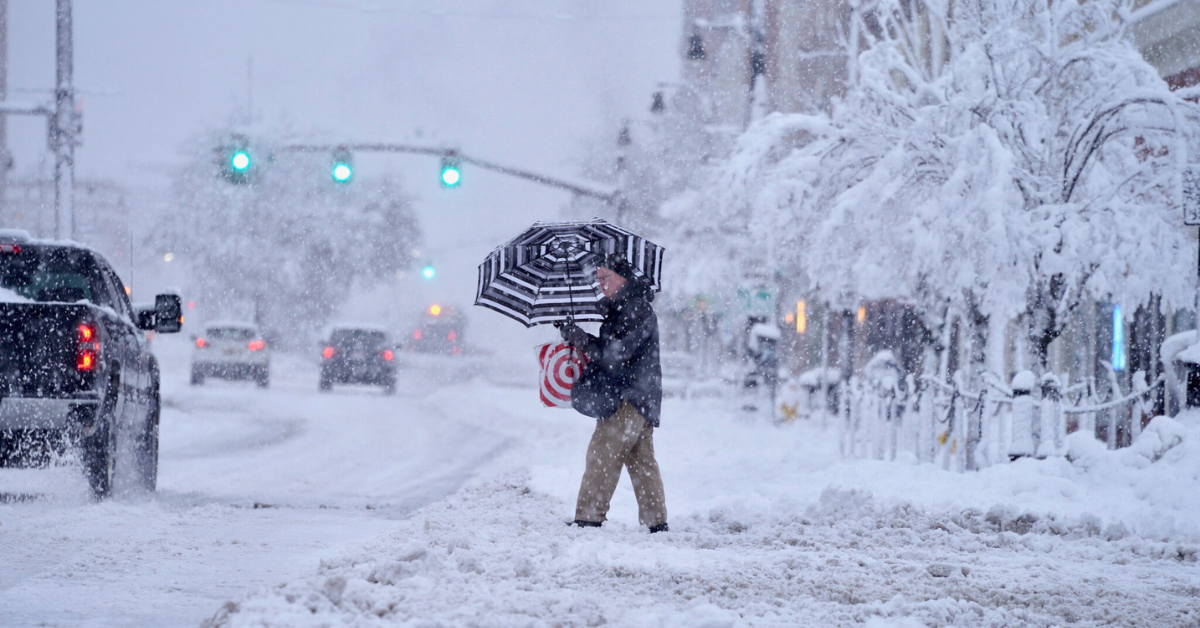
column 621, row 387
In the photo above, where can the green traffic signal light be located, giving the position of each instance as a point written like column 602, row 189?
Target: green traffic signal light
column 240, row 161
column 451, row 175
column 428, row 272
column 343, row 165
column 236, row 164
column 234, row 160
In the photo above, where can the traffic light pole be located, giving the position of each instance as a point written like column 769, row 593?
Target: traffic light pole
column 62, row 122
column 63, row 126
column 589, row 189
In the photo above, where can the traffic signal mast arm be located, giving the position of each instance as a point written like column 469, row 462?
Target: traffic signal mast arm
column 605, row 193
column 25, row 109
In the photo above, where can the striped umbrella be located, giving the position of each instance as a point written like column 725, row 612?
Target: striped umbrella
column 547, row 274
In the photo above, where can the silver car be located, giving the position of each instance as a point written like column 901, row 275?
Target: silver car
column 231, row 351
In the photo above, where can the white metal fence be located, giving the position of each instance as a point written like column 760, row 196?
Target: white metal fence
column 924, row 419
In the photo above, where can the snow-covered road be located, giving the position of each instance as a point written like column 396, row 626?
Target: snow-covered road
column 255, row 487
column 445, row 505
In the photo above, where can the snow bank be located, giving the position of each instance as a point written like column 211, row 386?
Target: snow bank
column 768, row 528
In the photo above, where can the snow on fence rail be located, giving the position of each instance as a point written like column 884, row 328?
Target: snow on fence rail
column 924, row 419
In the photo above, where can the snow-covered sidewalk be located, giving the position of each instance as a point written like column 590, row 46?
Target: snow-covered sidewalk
column 769, row 528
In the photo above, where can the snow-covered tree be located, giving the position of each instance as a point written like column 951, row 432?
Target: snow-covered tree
column 288, row 246
column 1011, row 158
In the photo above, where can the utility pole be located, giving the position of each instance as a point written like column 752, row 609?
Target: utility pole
column 758, row 63
column 624, row 139
column 5, row 159
column 64, row 125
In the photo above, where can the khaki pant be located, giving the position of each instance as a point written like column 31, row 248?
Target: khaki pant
column 627, row 439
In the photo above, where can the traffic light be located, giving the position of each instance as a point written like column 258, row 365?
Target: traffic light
column 236, row 161
column 428, row 272
column 240, row 160
column 342, row 170
column 451, row 175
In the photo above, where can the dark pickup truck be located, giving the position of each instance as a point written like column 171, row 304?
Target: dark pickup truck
column 76, row 371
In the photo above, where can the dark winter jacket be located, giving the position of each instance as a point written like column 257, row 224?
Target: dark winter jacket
column 623, row 362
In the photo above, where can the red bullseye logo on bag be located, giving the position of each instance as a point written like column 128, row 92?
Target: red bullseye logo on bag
column 562, row 365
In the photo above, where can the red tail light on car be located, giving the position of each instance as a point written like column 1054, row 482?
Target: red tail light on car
column 256, row 345
column 451, row 336
column 388, row 355
column 87, row 351
column 417, row 335
column 328, row 353
column 10, row 248
column 200, row 342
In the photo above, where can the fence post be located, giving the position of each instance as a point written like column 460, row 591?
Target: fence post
column 948, row 449
column 975, row 431
column 1052, row 431
column 1141, row 406
column 1087, row 420
column 925, row 422
column 1021, row 443
column 893, row 415
column 841, row 419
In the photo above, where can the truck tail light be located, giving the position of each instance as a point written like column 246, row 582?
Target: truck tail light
column 388, row 355
column 452, row 336
column 87, row 352
column 200, row 342
column 327, row 353
column 256, row 345
column 85, row 360
column 417, row 335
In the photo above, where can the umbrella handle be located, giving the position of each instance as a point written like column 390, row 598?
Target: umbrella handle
column 570, row 294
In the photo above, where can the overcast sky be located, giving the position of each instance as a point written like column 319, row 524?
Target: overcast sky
column 519, row 80
column 526, row 82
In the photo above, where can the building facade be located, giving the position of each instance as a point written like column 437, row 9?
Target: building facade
column 1168, row 34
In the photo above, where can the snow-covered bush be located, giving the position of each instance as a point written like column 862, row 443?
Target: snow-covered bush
column 1023, row 161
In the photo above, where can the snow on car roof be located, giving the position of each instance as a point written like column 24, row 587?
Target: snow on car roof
column 231, row 324
column 356, row 326
column 9, row 296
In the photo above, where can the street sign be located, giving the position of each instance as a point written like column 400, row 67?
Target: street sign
column 757, row 301
column 1191, row 196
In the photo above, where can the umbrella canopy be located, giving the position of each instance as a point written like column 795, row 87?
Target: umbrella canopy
column 547, row 274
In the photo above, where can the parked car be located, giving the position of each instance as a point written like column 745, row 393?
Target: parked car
column 76, row 371
column 439, row 329
column 231, row 351
column 358, row 355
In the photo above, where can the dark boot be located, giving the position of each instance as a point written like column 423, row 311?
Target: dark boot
column 662, row 527
column 585, row 524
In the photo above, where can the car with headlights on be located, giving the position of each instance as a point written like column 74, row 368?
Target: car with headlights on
column 438, row 329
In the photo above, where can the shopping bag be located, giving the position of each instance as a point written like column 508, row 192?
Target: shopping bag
column 562, row 364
